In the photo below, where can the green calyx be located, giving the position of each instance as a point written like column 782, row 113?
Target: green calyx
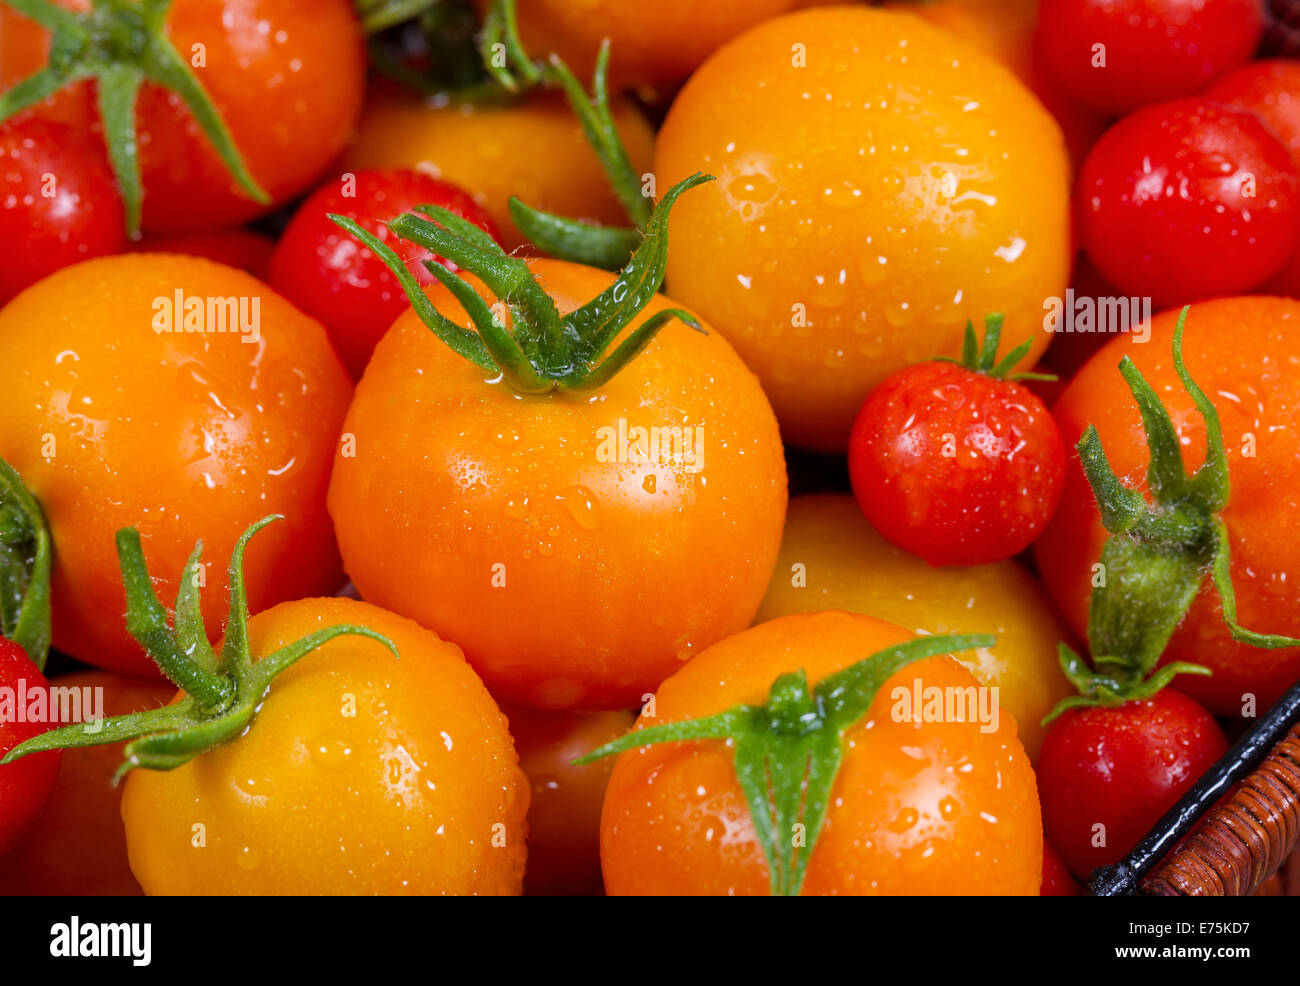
column 26, row 559
column 542, row 351
column 788, row 751
column 222, row 692
column 1158, row 552
column 121, row 44
column 983, row 357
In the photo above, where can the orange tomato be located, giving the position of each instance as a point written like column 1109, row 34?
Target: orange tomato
column 879, row 183
column 534, row 150
column 239, row 248
column 575, row 561
column 77, row 847
column 917, row 807
column 112, row 422
column 360, row 774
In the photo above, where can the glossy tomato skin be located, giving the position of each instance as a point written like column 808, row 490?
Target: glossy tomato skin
column 917, row 808
column 60, row 204
column 564, row 813
column 287, row 78
column 26, row 784
column 862, row 212
column 1153, row 49
column 832, row 558
column 76, row 847
column 185, row 435
column 955, row 466
column 1057, row 879
column 242, row 249
column 576, row 568
column 334, row 278
column 1121, row 769
column 1188, row 200
column 360, row 774
column 1241, row 351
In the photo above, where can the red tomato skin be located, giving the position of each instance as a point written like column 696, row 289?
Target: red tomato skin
column 1123, row 768
column 1165, row 209
column 26, row 783
column 239, row 248
column 1058, row 881
column 1154, row 49
column 336, row 279
column 983, row 502
column 58, row 202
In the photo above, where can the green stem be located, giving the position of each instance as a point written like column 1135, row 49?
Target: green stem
column 26, row 565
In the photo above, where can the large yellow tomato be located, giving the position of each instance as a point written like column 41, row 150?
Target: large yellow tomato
column 831, row 558
column 879, row 183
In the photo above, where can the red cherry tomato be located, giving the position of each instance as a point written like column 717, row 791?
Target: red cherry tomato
column 1058, row 881
column 239, row 248
column 1107, row 775
column 955, row 466
column 58, row 202
column 333, row 277
column 1116, row 55
column 26, row 783
column 1188, row 200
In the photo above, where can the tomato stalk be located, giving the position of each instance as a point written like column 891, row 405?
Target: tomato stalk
column 982, row 357
column 787, row 752
column 121, row 44
column 26, row 560
column 1158, row 552
column 222, row 692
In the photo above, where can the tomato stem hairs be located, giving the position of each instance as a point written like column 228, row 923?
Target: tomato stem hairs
column 25, row 564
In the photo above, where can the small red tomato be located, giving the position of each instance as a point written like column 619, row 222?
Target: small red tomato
column 1116, row 55
column 956, row 465
column 336, row 279
column 25, row 784
column 1107, row 775
column 60, row 204
column 239, row 248
column 1188, row 200
column 1058, row 881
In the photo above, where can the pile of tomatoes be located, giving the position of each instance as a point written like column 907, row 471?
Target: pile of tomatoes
column 734, row 510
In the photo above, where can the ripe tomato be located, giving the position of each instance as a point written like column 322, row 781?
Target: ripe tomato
column 76, row 846
column 917, row 807
column 1188, row 200
column 286, row 78
column 862, row 211
column 60, row 203
column 564, row 814
column 360, row 774
column 111, row 422
column 1057, row 880
column 24, row 785
column 1107, row 775
column 576, row 561
column 331, row 276
column 534, row 150
column 1242, row 352
column 1117, row 55
column 831, row 558
column 239, row 248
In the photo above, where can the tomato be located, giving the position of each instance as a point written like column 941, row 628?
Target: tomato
column 534, row 149
column 360, row 774
column 1057, row 880
column 917, row 807
column 76, row 846
column 286, row 78
column 1241, row 351
column 25, row 784
column 862, row 211
column 831, row 558
column 1107, row 775
column 1117, row 55
column 112, row 422
column 60, row 203
column 564, row 814
column 956, row 465
column 576, row 560
column 1188, row 200
column 239, row 248
column 332, row 277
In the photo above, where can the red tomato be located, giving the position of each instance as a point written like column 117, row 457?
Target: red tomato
column 332, row 276
column 1107, row 775
column 1188, row 200
column 60, row 204
column 239, row 248
column 1117, row 55
column 954, row 465
column 25, row 784
column 1058, row 881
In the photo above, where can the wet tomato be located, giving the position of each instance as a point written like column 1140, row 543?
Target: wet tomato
column 24, row 713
